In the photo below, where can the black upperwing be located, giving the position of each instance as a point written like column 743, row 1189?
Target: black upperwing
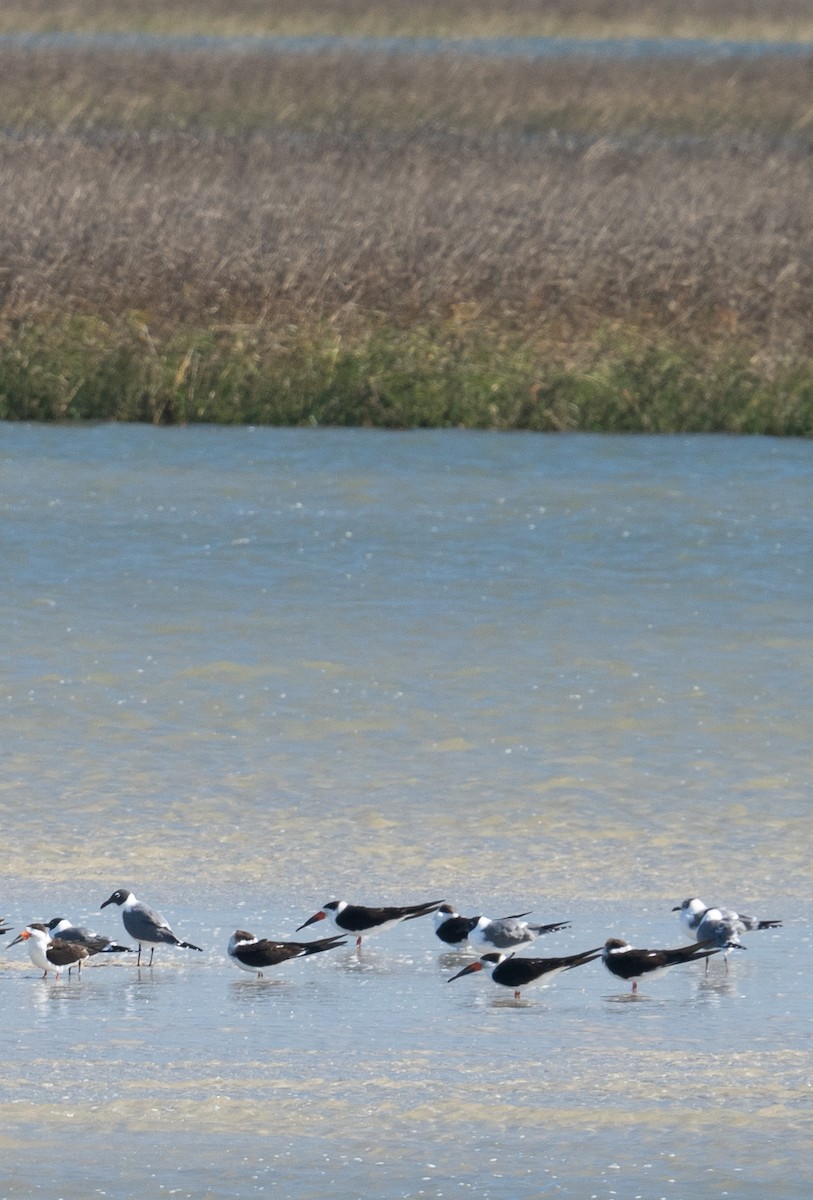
column 456, row 929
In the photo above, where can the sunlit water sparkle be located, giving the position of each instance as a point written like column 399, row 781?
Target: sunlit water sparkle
column 246, row 670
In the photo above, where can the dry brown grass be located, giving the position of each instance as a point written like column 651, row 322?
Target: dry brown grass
column 289, row 229
column 772, row 19
column 417, row 228
column 202, row 188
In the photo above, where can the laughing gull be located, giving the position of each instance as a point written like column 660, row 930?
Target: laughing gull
column 95, row 943
column 624, row 961
column 517, row 973
column 47, row 954
column 360, row 921
column 147, row 927
column 509, row 933
column 250, row 953
column 720, row 926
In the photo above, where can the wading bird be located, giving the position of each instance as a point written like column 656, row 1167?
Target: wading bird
column 147, row 927
column 624, row 961
column 519, row 973
column 253, row 954
column 50, row 955
column 360, row 921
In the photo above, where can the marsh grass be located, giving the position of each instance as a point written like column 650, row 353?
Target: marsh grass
column 342, row 229
column 349, row 239
column 430, row 377
column 240, row 94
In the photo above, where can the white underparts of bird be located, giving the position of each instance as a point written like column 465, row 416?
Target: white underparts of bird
column 50, row 955
column 360, row 921
column 95, row 943
column 253, row 954
column 722, row 926
column 519, row 973
column 626, row 962
column 145, row 925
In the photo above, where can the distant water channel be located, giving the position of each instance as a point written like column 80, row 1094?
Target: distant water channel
column 498, row 47
column 245, row 671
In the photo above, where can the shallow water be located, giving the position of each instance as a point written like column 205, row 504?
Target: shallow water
column 246, row 670
column 705, row 49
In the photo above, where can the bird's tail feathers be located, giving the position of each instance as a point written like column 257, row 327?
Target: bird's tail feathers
column 578, row 960
column 423, row 910
column 328, row 943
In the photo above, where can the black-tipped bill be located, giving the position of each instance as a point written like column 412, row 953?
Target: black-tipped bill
column 319, row 916
column 475, row 966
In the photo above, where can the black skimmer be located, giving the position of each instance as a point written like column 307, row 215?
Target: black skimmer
column 626, row 962
column 720, row 926
column 253, row 954
column 147, row 927
column 4, row 928
column 50, row 955
column 451, row 928
column 518, row 973
column 95, row 943
column 509, row 933
column 360, row 921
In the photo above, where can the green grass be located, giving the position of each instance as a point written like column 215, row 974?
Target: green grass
column 431, row 377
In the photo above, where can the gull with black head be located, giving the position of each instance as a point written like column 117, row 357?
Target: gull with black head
column 148, row 927
column 719, row 926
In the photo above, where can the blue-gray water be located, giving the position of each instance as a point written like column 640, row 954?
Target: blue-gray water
column 247, row 670
column 704, row 49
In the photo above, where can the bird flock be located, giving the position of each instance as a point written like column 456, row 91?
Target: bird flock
column 61, row 946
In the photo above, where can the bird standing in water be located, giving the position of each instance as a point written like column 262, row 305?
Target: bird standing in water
column 50, row 955
column 148, row 927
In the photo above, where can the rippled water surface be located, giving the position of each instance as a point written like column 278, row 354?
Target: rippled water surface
column 246, row 670
column 629, row 48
